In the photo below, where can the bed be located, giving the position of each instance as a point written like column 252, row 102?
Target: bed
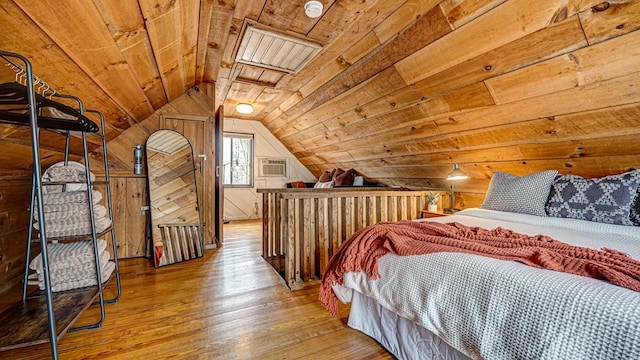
column 448, row 305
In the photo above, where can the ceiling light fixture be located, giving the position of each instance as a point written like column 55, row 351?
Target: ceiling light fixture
column 313, row 9
column 244, row 108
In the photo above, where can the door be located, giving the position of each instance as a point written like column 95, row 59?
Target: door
column 195, row 129
column 219, row 188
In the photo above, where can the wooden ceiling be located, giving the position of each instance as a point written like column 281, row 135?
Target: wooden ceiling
column 401, row 90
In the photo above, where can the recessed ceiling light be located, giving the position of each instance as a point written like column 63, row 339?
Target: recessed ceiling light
column 244, row 108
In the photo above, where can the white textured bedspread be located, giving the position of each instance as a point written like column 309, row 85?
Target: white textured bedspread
column 496, row 309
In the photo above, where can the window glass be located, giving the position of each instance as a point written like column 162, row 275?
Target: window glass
column 237, row 156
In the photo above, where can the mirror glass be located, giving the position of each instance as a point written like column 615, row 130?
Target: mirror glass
column 175, row 221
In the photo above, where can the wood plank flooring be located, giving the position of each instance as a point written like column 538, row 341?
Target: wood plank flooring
column 228, row 305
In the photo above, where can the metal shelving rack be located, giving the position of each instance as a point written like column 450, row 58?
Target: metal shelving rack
column 66, row 306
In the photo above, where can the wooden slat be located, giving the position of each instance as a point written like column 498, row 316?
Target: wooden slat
column 499, row 27
column 406, row 43
column 103, row 61
column 42, row 50
column 127, row 28
column 206, row 10
column 135, row 218
column 25, row 324
column 610, row 19
column 164, row 33
column 218, row 33
column 404, row 17
column 461, row 12
column 577, row 68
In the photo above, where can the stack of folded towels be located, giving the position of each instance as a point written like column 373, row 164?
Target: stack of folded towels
column 67, row 214
column 73, row 265
column 66, row 207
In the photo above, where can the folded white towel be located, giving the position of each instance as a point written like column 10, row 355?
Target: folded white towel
column 75, row 272
column 75, row 229
column 80, row 212
column 105, row 273
column 59, row 172
column 71, row 197
column 66, row 255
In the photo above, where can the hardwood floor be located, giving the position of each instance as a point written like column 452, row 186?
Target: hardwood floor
column 228, row 305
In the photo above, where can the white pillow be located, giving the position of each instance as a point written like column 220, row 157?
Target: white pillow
column 323, row 185
column 521, row 194
column 358, row 181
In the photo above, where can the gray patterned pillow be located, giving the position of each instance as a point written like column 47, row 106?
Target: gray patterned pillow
column 522, row 194
column 635, row 210
column 610, row 199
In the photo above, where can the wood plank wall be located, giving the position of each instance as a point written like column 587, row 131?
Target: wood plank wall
column 15, row 191
column 303, row 228
column 197, row 101
column 510, row 85
column 129, row 192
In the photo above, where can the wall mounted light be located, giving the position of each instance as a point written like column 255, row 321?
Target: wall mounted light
column 244, row 108
column 453, row 176
column 313, row 9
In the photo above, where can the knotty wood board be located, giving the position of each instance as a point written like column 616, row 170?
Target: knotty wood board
column 621, row 17
column 218, row 33
column 165, row 40
column 577, row 68
column 359, row 26
column 508, row 22
column 127, row 27
column 562, row 37
column 42, row 49
column 107, row 66
column 426, row 30
column 26, row 324
column 460, row 12
column 608, row 93
column 344, row 129
column 404, row 17
column 206, row 10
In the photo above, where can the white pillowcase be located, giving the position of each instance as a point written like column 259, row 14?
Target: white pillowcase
column 323, row 185
column 521, row 194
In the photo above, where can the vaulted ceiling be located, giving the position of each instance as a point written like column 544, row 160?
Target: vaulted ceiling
column 400, row 90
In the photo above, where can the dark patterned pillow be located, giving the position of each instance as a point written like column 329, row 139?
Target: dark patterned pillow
column 635, row 210
column 610, row 199
column 522, row 194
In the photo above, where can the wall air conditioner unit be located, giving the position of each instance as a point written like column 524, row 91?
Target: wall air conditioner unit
column 273, row 167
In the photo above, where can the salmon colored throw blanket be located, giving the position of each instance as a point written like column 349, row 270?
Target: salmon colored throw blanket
column 363, row 250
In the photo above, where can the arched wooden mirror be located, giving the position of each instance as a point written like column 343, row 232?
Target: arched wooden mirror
column 175, row 219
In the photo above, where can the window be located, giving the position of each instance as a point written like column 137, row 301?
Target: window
column 237, row 156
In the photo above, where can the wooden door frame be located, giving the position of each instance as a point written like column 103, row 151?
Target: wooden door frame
column 219, row 187
column 209, row 222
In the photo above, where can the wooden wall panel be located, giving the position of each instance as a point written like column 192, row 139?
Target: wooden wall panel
column 15, row 191
column 127, row 27
column 103, row 61
column 129, row 195
column 610, row 19
column 505, row 24
column 577, row 68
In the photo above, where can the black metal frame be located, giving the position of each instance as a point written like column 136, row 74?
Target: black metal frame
column 82, row 124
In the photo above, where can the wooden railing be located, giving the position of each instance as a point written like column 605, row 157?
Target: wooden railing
column 303, row 228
